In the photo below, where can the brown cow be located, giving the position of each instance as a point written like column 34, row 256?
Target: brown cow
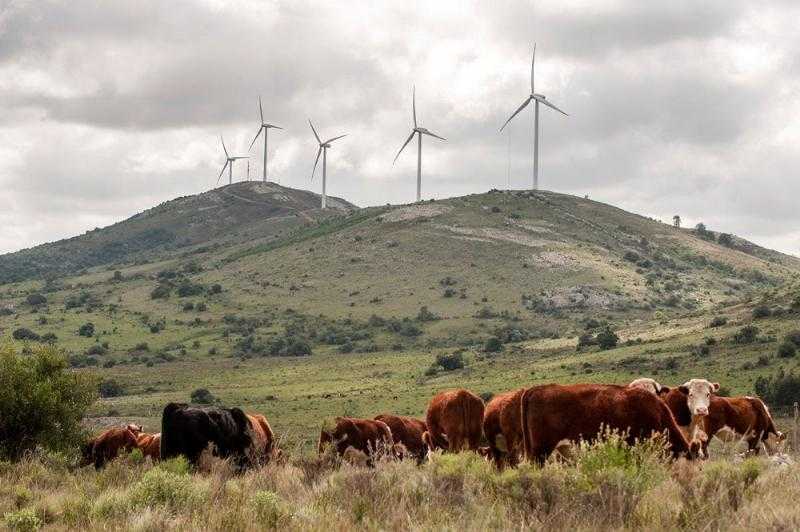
column 554, row 412
column 455, row 421
column 366, row 435
column 407, row 431
column 263, row 439
column 747, row 417
column 150, row 445
column 108, row 445
column 502, row 427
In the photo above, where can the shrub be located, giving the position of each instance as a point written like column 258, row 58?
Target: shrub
column 201, row 307
column 24, row 333
column 35, row 300
column 24, row 520
column 159, row 487
column 787, row 350
column 493, row 345
column 726, row 239
column 270, row 509
column 87, row 329
column 96, row 350
column 202, row 396
column 188, row 288
column 586, row 340
column 607, row 339
column 450, row 362
column 41, row 402
column 794, row 337
column 49, row 338
column 761, row 311
column 746, row 335
column 426, row 315
column 718, row 321
column 216, row 288
column 110, row 388
column 188, row 306
column 161, row 291
column 782, row 389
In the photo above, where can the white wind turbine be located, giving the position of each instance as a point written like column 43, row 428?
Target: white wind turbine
column 265, row 128
column 416, row 131
column 538, row 98
column 323, row 149
column 228, row 163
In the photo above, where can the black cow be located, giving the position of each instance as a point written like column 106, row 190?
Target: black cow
column 189, row 430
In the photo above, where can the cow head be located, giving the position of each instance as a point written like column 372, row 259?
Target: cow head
column 698, row 395
column 651, row 385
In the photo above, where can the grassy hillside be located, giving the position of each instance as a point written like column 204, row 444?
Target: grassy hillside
column 239, row 212
column 317, row 314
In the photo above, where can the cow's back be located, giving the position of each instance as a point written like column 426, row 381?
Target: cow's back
column 455, row 420
column 406, row 430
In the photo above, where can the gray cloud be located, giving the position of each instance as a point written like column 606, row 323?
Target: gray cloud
column 107, row 108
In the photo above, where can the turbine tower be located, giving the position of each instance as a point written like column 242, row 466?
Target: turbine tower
column 323, row 149
column 538, row 98
column 228, row 163
column 265, row 128
column 416, row 131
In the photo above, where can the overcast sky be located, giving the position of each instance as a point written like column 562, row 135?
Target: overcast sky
column 108, row 108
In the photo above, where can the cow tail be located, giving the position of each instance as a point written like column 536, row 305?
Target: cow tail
column 527, row 445
column 769, row 423
column 166, row 429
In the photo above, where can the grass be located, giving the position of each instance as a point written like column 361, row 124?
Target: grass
column 606, row 485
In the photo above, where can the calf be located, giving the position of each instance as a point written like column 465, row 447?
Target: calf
column 553, row 412
column 188, row 430
column 747, row 417
column 150, row 445
column 503, row 427
column 455, row 421
column 109, row 444
column 366, row 435
column 407, row 431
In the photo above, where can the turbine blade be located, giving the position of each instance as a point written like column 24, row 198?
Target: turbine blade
column 426, row 132
column 533, row 61
column 319, row 151
column 335, row 138
column 274, row 126
column 414, row 104
column 222, row 171
column 550, row 105
column 255, row 138
column 260, row 109
column 521, row 107
column 241, row 157
column 411, row 136
column 314, row 130
column 223, row 145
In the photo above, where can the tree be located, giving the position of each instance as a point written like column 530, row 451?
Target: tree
column 746, row 335
column 110, row 388
column 87, row 329
column 35, row 300
column 607, row 339
column 41, row 401
column 493, row 345
column 787, row 349
column 725, row 239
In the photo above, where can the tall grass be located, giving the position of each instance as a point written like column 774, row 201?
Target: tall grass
column 606, row 485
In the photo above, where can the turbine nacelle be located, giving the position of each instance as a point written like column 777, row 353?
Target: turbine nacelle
column 538, row 96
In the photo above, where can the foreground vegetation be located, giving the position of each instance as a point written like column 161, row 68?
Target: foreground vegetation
column 606, row 486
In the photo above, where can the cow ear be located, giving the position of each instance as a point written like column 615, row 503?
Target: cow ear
column 715, row 386
column 684, row 389
column 664, row 390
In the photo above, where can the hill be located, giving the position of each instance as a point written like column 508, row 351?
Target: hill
column 244, row 211
column 305, row 314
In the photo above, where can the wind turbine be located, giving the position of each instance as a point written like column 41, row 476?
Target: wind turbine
column 323, row 149
column 538, row 98
column 265, row 128
column 416, row 131
column 228, row 163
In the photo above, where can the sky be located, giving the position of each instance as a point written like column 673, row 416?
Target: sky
column 680, row 107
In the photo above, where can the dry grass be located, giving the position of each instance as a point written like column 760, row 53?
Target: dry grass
column 608, row 486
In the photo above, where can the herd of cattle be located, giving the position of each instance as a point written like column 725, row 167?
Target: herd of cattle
column 528, row 423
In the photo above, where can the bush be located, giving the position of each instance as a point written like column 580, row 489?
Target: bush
column 746, row 335
column 718, row 321
column 35, row 300
column 188, row 306
column 450, row 362
column 201, row 307
column 607, row 339
column 726, row 239
column 493, row 345
column 158, row 487
column 216, row 288
column 787, row 350
column 782, row 389
column 24, row 520
column 161, row 291
column 111, row 388
column 24, row 333
column 202, row 396
column 41, row 402
column 586, row 340
column 271, row 511
column 188, row 288
column 87, row 329
column 426, row 315
column 761, row 311
column 794, row 337
column 96, row 350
